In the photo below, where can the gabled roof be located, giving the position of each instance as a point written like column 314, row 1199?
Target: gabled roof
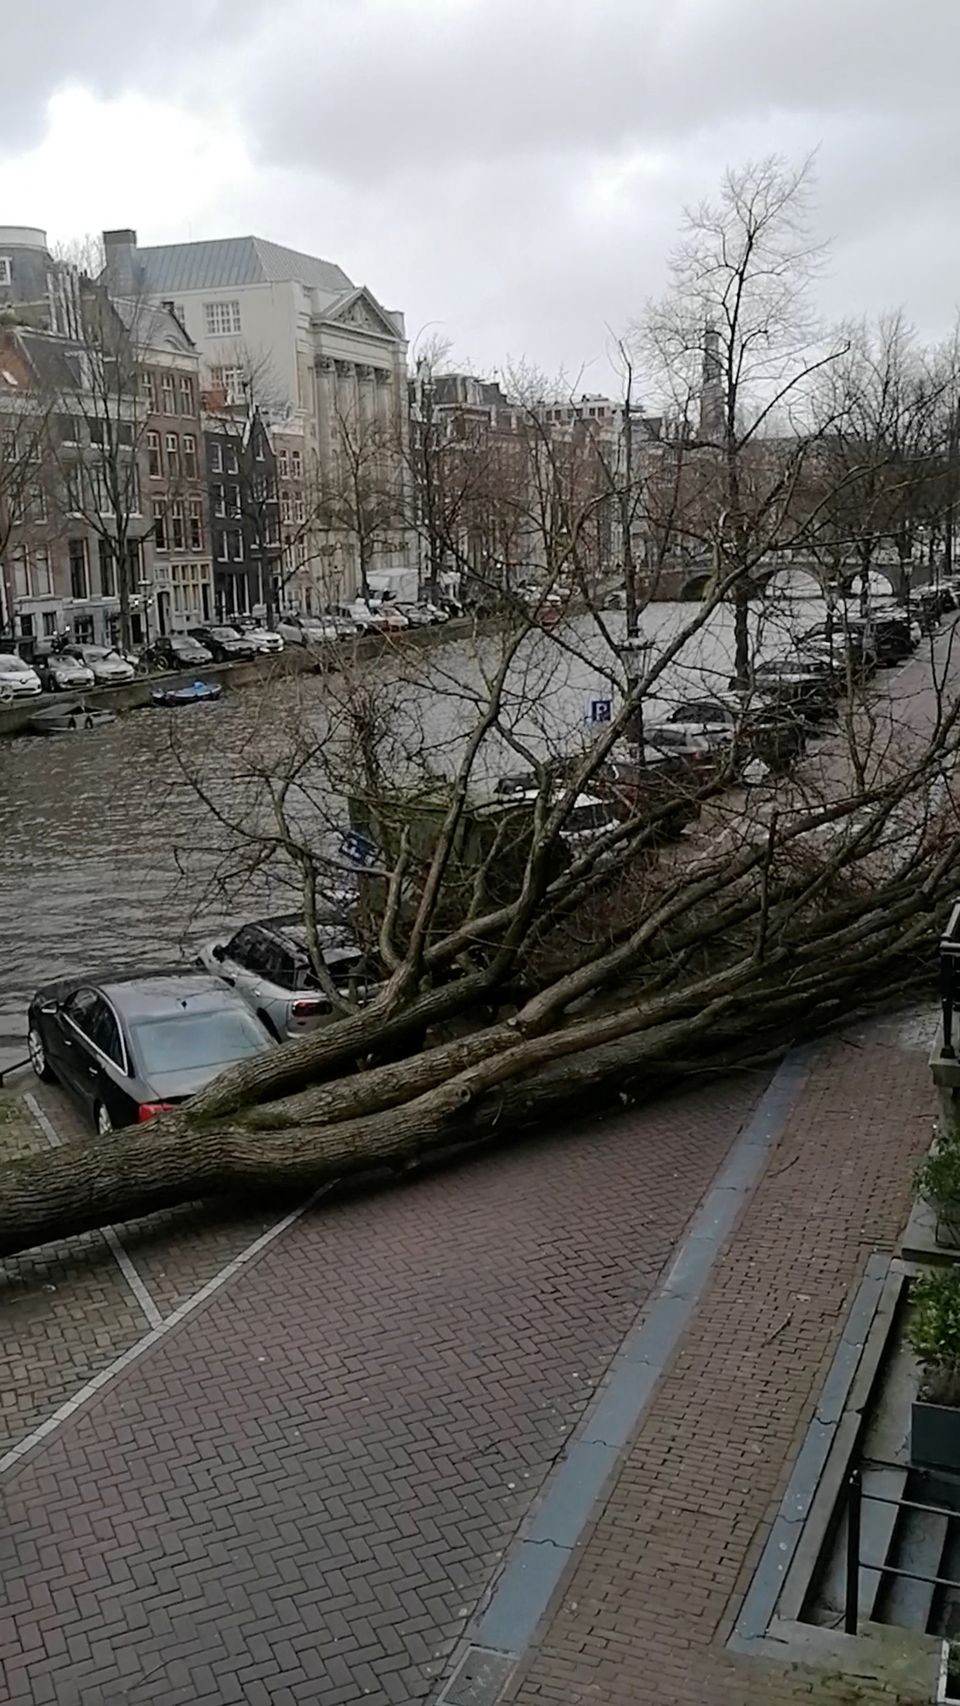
column 227, row 261
column 153, row 326
column 359, row 307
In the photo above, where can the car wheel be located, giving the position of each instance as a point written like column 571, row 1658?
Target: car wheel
column 104, row 1122
column 38, row 1056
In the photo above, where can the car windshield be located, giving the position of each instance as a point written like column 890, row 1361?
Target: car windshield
column 186, row 1041
column 11, row 663
column 225, row 633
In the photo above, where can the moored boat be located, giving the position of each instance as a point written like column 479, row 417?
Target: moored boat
column 72, row 718
column 198, row 693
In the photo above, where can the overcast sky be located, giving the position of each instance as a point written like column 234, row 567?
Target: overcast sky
column 511, row 169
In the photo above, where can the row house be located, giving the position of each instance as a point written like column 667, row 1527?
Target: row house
column 174, row 466
column 241, row 475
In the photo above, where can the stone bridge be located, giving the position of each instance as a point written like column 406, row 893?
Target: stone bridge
column 690, row 582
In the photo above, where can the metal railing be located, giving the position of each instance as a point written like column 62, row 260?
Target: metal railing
column 855, row 1499
column 950, row 979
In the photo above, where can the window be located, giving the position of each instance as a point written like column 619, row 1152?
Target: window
column 219, row 500
column 21, row 573
column 176, row 526
column 216, row 459
column 286, row 507
column 233, row 500
column 160, row 524
column 154, row 459
column 259, row 452
column 187, row 403
column 230, row 458
column 236, row 546
column 153, row 393
column 222, row 319
column 195, row 519
column 71, row 427
column 299, row 508
column 71, row 483
column 189, row 456
column 104, row 1032
column 6, row 270
column 173, row 455
column 26, row 625
column 35, row 508
column 49, row 620
column 42, row 578
column 96, row 430
column 283, row 464
column 77, row 553
column 168, row 395
column 133, row 564
column 222, row 548
column 107, row 588
column 296, row 464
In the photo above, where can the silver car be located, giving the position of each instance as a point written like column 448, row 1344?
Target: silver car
column 268, row 963
column 59, row 672
column 108, row 665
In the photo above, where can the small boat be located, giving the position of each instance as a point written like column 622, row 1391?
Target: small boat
column 72, row 718
column 198, row 693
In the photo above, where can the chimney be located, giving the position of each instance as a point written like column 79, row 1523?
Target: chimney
column 120, row 250
column 711, row 385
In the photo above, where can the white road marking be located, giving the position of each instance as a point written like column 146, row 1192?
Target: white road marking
column 111, row 1238
column 106, row 1375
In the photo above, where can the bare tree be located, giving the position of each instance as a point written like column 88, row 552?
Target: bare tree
column 736, row 345
column 541, row 936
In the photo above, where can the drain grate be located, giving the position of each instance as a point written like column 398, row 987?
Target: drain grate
column 479, row 1678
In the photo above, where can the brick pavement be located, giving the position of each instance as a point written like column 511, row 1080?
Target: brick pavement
column 301, row 1493
column 66, row 1311
column 654, row 1590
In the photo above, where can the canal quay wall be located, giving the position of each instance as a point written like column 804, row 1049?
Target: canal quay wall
column 293, row 660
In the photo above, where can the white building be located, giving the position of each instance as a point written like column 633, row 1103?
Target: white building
column 319, row 355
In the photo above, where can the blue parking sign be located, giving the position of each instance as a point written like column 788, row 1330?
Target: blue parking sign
column 601, row 711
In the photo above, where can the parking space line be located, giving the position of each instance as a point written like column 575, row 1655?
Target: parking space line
column 91, row 1387
column 112, row 1240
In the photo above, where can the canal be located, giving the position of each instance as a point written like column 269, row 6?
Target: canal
column 108, row 852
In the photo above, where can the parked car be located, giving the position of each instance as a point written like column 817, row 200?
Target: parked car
column 365, row 618
column 17, row 679
column 262, row 639
column 269, row 964
column 225, row 644
column 342, row 625
column 108, row 665
column 756, row 729
column 61, row 673
column 417, row 615
column 306, row 630
column 126, row 1045
column 176, row 651
column 437, row 613
column 391, row 617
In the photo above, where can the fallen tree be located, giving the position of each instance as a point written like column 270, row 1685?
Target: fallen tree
column 527, row 968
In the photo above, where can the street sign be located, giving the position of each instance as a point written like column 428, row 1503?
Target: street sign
column 358, row 850
column 599, row 711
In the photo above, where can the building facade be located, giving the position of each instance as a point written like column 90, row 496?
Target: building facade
column 325, row 364
column 243, row 502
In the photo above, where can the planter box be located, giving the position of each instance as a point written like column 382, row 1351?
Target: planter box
column 935, row 1436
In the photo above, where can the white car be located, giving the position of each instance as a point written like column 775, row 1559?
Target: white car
column 108, row 665
column 366, row 618
column 265, row 639
column 305, row 630
column 17, row 679
column 392, row 618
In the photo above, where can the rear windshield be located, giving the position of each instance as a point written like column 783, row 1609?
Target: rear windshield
column 187, row 1040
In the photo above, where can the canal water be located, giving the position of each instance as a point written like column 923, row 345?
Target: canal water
column 108, row 854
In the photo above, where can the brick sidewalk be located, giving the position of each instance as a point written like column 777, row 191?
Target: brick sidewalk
column 301, row 1493
column 653, row 1592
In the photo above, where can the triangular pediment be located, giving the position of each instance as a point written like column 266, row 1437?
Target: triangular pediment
column 362, row 310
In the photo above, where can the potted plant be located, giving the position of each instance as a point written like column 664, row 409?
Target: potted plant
column 934, row 1334
column 937, row 1182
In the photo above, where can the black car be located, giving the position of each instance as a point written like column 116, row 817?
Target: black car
column 126, row 1045
column 177, row 651
column 225, row 644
